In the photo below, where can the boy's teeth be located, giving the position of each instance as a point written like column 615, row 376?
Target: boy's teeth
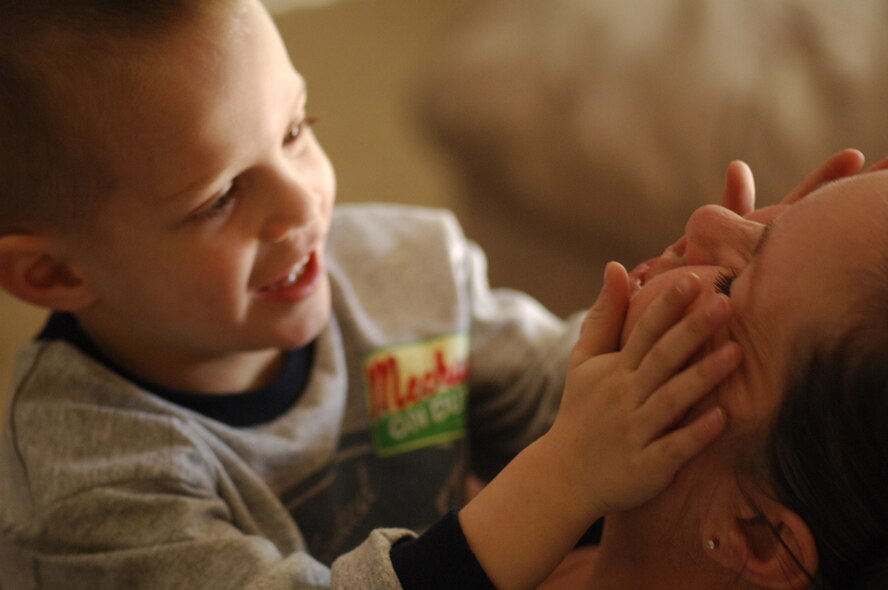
column 292, row 277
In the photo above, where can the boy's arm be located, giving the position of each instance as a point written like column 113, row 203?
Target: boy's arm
column 120, row 495
column 604, row 453
column 521, row 520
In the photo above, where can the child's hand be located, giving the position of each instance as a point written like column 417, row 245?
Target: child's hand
column 619, row 437
column 619, row 433
column 739, row 196
column 739, row 191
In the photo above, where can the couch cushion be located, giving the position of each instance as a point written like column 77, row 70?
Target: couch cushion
column 613, row 119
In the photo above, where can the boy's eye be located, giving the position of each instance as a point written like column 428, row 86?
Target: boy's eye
column 297, row 131
column 723, row 282
column 223, row 202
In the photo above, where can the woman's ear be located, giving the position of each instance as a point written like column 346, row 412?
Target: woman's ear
column 31, row 270
column 769, row 546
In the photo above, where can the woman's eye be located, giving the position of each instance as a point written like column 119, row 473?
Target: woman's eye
column 723, row 282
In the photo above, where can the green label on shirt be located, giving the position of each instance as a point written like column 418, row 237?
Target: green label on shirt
column 416, row 393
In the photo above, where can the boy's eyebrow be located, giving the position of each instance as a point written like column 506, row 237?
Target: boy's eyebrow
column 191, row 188
column 299, row 96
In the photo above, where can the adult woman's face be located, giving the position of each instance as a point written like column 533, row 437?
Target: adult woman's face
column 792, row 281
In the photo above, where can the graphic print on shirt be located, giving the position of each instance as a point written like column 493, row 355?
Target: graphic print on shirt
column 416, row 393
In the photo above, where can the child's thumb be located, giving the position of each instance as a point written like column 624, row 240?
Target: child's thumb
column 603, row 324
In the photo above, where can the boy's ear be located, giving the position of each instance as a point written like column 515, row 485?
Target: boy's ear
column 769, row 546
column 31, row 271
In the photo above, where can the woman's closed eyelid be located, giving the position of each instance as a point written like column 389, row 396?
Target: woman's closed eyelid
column 724, row 280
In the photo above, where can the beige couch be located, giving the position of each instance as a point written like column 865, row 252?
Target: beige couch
column 587, row 130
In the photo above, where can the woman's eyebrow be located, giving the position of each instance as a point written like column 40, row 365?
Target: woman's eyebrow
column 764, row 237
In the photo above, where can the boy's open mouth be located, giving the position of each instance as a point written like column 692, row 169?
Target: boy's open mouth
column 291, row 279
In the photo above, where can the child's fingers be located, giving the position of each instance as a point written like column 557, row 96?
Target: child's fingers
column 676, row 348
column 739, row 193
column 603, row 323
column 661, row 315
column 670, row 452
column 672, row 401
column 880, row 165
column 839, row 165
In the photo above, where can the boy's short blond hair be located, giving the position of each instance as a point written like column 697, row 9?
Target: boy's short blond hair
column 63, row 64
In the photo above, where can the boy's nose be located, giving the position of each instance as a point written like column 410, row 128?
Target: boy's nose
column 717, row 236
column 292, row 206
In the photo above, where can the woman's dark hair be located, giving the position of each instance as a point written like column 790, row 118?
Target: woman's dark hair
column 827, row 454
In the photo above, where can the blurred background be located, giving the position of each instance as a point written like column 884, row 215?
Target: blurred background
column 566, row 133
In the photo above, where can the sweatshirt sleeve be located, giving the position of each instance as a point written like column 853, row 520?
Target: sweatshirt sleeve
column 138, row 502
column 219, row 558
column 439, row 559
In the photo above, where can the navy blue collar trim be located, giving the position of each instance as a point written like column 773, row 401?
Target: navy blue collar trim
column 244, row 409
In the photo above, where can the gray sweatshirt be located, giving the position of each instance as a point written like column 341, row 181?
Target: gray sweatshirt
column 422, row 371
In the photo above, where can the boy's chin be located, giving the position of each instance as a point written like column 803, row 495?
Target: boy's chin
column 310, row 321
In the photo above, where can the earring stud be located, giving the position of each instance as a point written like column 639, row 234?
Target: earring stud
column 712, row 543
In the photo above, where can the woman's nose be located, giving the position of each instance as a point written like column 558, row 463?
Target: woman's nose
column 717, row 236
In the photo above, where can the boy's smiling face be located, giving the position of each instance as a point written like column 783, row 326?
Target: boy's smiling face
column 208, row 258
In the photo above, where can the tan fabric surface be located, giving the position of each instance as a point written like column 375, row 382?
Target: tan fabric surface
column 600, row 125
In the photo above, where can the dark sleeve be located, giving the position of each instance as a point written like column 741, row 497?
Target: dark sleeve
column 439, row 559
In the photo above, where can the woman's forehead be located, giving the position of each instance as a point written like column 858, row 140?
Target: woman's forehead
column 807, row 278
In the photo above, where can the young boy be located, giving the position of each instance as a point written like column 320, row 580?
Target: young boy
column 238, row 387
